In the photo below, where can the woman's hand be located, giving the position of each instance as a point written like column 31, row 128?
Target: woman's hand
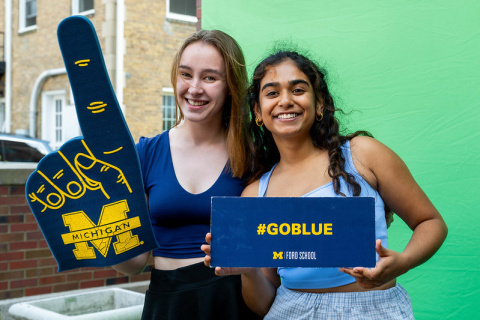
column 218, row 270
column 388, row 267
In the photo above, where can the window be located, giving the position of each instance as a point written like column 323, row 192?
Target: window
column 2, row 115
column 185, row 10
column 59, row 120
column 28, row 15
column 84, row 7
column 168, row 109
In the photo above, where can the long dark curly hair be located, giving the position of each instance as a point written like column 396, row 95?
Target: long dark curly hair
column 325, row 134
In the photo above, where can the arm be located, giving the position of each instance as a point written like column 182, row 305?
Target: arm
column 133, row 266
column 258, row 285
column 389, row 175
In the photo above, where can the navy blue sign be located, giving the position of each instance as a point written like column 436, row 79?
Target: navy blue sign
column 293, row 232
column 88, row 197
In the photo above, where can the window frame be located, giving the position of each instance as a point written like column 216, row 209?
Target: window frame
column 22, row 17
column 168, row 92
column 3, row 115
column 76, row 7
column 179, row 17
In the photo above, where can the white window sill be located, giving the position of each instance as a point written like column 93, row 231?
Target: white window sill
column 27, row 29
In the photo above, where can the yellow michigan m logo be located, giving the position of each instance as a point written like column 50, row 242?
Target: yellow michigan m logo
column 278, row 255
column 113, row 222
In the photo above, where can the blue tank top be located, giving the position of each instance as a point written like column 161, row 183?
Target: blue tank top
column 319, row 278
column 180, row 220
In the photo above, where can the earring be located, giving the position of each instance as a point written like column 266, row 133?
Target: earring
column 259, row 122
column 319, row 117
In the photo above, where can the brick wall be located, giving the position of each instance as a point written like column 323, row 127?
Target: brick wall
column 27, row 266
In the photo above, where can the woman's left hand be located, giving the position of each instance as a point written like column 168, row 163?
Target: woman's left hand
column 388, row 267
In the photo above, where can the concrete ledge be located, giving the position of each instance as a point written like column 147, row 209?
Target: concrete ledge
column 103, row 304
column 139, row 286
column 15, row 173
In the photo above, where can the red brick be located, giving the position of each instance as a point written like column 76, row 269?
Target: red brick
column 3, row 285
column 3, row 266
column 18, row 190
column 15, row 284
column 12, row 219
column 109, row 273
column 30, row 218
column 52, row 280
column 3, row 190
column 88, row 269
column 47, row 262
column 13, row 200
column 23, row 245
column 11, row 275
column 11, row 294
column 66, row 287
column 38, row 290
column 42, row 243
column 42, row 253
column 35, row 235
column 23, row 264
column 38, row 272
column 11, row 256
column 3, row 228
column 24, row 227
column 4, row 209
column 79, row 276
column 20, row 209
column 92, row 284
column 11, row 237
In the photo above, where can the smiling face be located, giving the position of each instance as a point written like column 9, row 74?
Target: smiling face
column 201, row 83
column 287, row 101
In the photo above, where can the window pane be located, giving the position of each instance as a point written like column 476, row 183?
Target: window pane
column 30, row 13
column 31, row 8
column 186, row 7
column 84, row 5
column 168, row 112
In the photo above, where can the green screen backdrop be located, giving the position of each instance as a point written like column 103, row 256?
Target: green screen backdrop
column 410, row 73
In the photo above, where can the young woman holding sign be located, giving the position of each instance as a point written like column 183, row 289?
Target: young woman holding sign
column 204, row 155
column 300, row 152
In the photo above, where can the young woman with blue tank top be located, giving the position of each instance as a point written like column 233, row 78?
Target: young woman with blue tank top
column 300, row 152
column 207, row 153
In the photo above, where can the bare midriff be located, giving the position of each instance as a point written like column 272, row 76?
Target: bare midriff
column 163, row 263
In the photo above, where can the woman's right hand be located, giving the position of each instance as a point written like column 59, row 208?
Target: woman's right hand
column 219, row 271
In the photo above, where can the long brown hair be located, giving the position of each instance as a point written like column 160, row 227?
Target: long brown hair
column 235, row 111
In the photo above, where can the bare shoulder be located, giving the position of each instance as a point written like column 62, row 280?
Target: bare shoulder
column 366, row 145
column 371, row 152
column 251, row 190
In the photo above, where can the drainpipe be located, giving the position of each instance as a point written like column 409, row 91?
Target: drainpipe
column 36, row 92
column 120, row 48
column 8, row 65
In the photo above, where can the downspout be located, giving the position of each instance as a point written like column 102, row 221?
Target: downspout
column 36, row 92
column 8, row 65
column 120, row 48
